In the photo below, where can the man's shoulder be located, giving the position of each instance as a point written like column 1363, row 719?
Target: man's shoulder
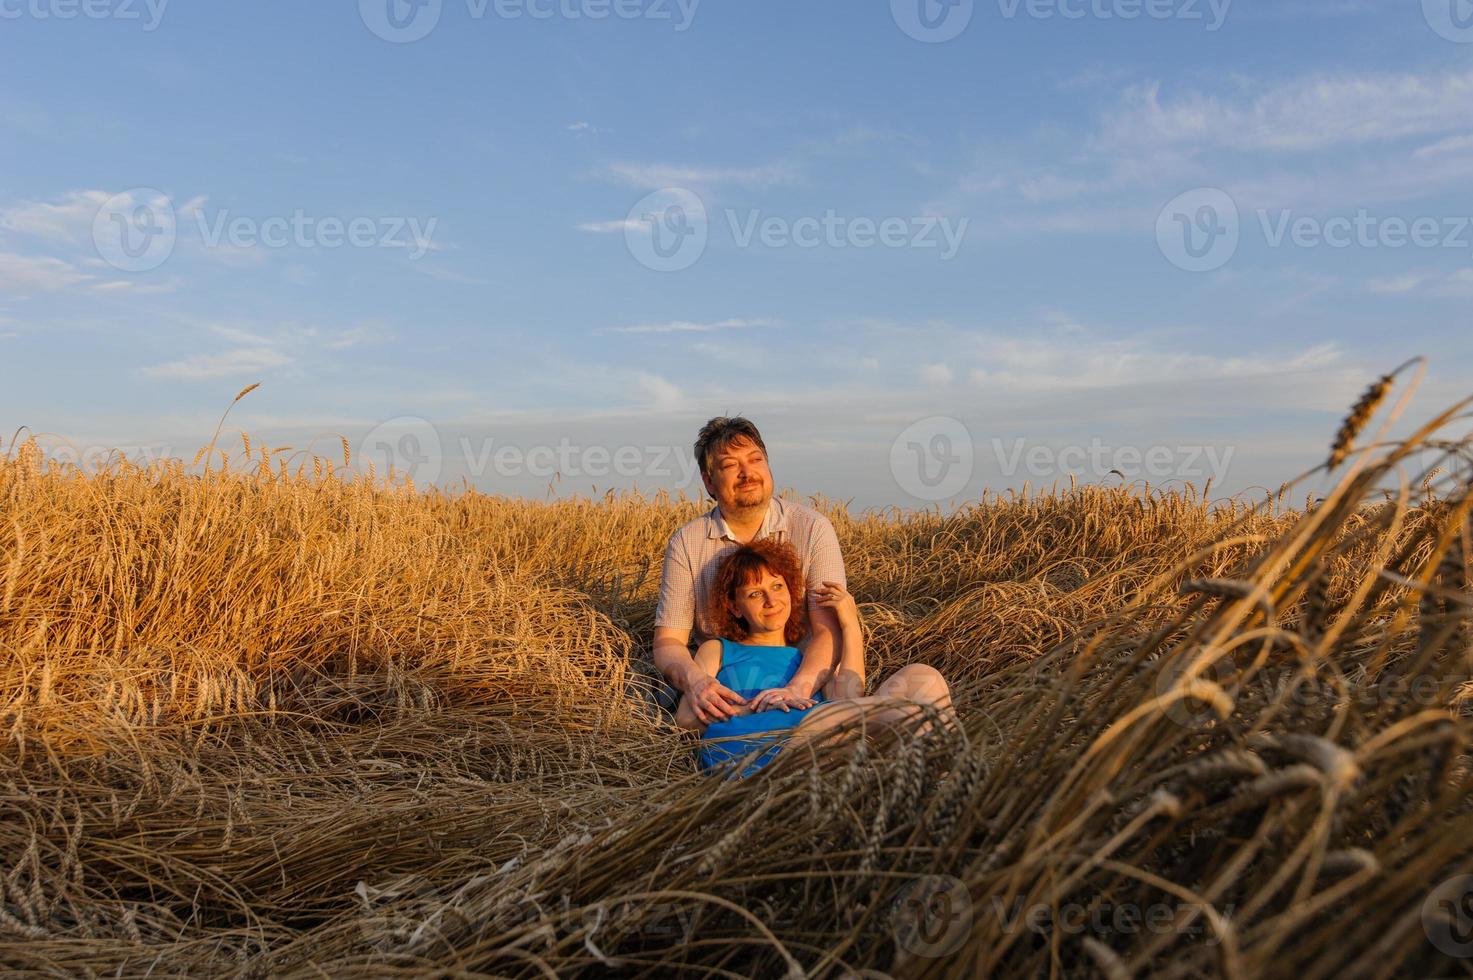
column 693, row 530
column 796, row 515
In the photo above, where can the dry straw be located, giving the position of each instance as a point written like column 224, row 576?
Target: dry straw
column 262, row 722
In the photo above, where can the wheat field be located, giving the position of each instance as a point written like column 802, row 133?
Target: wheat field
column 296, row 720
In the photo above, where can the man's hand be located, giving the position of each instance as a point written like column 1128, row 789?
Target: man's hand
column 786, row 698
column 709, row 700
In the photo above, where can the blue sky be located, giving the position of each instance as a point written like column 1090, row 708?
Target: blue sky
column 1188, row 236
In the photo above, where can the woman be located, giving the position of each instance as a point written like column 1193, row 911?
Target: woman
column 760, row 619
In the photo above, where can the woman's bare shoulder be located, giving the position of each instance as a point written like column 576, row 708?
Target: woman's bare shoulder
column 708, row 655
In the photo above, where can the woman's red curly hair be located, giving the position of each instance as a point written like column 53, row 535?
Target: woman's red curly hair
column 746, row 565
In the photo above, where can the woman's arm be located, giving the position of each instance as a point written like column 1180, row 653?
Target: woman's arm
column 708, row 658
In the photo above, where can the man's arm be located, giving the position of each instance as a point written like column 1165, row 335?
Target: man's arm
column 848, row 681
column 702, row 695
column 672, row 656
column 674, row 616
column 708, row 659
column 837, row 666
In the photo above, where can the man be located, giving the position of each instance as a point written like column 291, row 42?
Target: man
column 733, row 466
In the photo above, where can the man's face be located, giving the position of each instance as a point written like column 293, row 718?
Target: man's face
column 739, row 478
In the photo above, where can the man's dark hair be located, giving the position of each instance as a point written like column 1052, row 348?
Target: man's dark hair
column 718, row 434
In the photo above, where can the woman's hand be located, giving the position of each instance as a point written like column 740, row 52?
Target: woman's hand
column 836, row 597
column 786, row 698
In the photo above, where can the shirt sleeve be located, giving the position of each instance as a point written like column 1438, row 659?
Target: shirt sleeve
column 825, row 562
column 677, row 606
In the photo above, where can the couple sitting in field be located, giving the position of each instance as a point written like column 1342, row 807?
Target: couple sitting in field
column 761, row 582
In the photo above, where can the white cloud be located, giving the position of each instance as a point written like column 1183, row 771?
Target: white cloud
column 448, row 275
column 300, row 337
column 1445, row 284
column 352, row 337
column 1397, row 284
column 685, row 326
column 136, row 287
column 228, row 254
column 1038, row 364
column 654, row 176
column 192, row 207
column 612, row 227
column 1411, row 134
column 261, row 347
column 244, row 360
column 24, row 273
column 1304, row 114
column 67, row 220
column 658, row 393
column 937, row 375
column 237, row 335
column 1453, row 144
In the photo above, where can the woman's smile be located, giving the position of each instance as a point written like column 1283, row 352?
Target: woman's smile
column 764, row 604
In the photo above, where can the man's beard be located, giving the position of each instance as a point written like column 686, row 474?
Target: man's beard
column 749, row 499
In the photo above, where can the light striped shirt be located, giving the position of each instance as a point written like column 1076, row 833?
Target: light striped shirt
column 694, row 555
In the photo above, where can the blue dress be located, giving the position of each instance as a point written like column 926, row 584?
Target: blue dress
column 750, row 670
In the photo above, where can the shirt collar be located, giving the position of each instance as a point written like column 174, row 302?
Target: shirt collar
column 771, row 524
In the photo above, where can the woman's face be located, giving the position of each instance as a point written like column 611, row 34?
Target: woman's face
column 764, row 604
